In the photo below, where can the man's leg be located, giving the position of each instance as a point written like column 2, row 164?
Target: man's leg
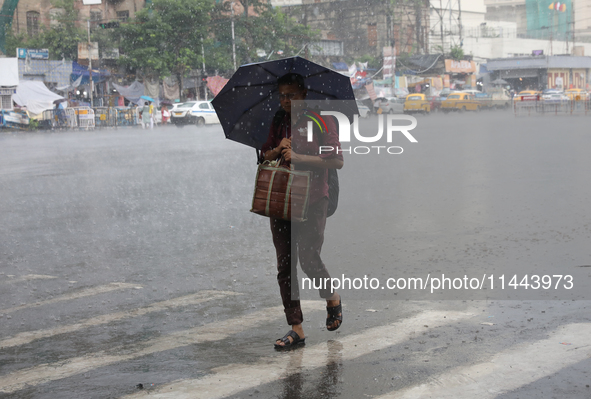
column 309, row 242
column 287, row 273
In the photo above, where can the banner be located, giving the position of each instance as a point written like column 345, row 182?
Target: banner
column 216, row 83
column 389, row 62
column 371, row 91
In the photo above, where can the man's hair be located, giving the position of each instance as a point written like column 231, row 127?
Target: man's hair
column 292, row 79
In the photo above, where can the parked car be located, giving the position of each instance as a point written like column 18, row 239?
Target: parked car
column 193, row 113
column 459, row 101
column 390, row 105
column 554, row 95
column 576, row 94
column 363, row 109
column 444, row 93
column 416, row 102
column 526, row 93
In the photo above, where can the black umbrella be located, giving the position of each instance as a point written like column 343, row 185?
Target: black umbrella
column 247, row 103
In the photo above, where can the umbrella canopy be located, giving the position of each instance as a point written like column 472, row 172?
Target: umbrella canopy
column 499, row 82
column 147, row 98
column 247, row 103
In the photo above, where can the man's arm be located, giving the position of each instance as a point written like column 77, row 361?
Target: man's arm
column 313, row 161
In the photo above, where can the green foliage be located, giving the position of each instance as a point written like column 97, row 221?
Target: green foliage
column 269, row 30
column 165, row 38
column 457, row 53
column 33, row 124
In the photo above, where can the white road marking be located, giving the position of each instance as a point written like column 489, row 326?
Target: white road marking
column 231, row 379
column 208, row 333
column 508, row 370
column 194, row 299
column 28, row 277
column 75, row 295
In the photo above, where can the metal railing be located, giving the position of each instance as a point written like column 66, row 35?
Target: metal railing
column 538, row 107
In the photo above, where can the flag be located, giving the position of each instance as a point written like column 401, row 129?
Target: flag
column 352, row 70
column 371, row 91
column 215, row 84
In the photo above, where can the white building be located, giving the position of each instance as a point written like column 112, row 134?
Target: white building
column 495, row 29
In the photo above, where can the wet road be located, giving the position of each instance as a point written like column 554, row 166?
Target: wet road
column 131, row 267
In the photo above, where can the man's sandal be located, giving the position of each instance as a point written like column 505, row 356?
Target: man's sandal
column 335, row 313
column 297, row 341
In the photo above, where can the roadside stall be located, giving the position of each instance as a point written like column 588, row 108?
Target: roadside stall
column 40, row 102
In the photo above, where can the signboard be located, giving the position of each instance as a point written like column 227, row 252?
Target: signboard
column 389, row 62
column 446, row 81
column 473, row 81
column 83, row 50
column 529, row 98
column 15, row 117
column 91, row 2
column 460, row 66
column 35, row 54
column 7, row 92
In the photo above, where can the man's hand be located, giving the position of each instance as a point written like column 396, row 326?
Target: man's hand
column 290, row 156
column 285, row 143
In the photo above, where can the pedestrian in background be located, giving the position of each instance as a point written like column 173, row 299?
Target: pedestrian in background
column 147, row 115
column 165, row 114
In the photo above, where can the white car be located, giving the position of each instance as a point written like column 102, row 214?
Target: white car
column 193, row 113
column 363, row 109
column 391, row 105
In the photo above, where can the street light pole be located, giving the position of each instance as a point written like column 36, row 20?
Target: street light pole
column 90, row 67
column 233, row 38
column 203, row 64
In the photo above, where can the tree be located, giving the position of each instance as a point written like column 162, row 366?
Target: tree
column 165, row 38
column 457, row 53
column 267, row 29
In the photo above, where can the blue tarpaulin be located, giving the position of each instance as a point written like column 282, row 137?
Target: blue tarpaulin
column 340, row 66
column 98, row 75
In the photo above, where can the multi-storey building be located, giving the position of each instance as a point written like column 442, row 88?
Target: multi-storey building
column 28, row 16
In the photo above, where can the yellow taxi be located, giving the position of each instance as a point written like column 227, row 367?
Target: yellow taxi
column 417, row 102
column 526, row 93
column 458, row 101
column 576, row 94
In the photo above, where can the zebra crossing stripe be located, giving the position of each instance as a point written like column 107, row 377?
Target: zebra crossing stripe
column 229, row 380
column 75, row 295
column 28, row 277
column 508, row 370
column 194, row 299
column 208, row 333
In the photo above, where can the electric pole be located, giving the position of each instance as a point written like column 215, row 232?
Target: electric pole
column 90, row 67
column 233, row 38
